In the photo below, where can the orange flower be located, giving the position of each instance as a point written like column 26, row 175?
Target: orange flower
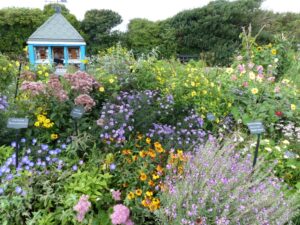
column 146, row 202
column 157, row 145
column 151, row 153
column 151, row 183
column 159, row 169
column 143, row 176
column 134, row 157
column 126, row 152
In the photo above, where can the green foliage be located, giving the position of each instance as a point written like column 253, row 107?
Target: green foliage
column 288, row 164
column 91, row 183
column 5, row 152
column 8, row 71
column 213, row 28
column 144, row 35
column 16, row 25
column 97, row 26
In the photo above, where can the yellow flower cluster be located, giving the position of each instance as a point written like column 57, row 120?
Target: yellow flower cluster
column 43, row 121
column 151, row 156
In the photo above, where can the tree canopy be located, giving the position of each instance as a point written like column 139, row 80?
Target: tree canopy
column 97, row 26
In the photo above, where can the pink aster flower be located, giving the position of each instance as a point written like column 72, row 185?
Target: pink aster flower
column 116, row 195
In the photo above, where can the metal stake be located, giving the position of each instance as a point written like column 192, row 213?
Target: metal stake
column 256, row 150
column 17, row 148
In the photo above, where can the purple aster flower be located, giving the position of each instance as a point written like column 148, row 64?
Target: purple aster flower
column 112, row 166
column 18, row 190
column 1, row 191
column 13, row 144
column 74, row 168
column 44, row 147
column 34, row 141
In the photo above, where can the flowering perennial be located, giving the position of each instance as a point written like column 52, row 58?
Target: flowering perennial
column 82, row 207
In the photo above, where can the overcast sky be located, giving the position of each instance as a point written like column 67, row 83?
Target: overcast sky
column 149, row 9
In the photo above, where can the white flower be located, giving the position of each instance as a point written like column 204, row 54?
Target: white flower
column 268, row 149
column 285, row 142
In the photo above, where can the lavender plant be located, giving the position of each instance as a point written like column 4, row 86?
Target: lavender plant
column 220, row 187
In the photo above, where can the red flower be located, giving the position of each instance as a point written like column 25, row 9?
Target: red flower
column 279, row 113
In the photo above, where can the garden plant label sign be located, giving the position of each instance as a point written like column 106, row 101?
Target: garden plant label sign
column 210, row 116
column 256, row 127
column 60, row 71
column 17, row 123
column 77, row 112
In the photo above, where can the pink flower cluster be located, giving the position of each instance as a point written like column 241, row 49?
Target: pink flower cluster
column 56, row 89
column 121, row 215
column 116, row 195
column 82, row 207
column 86, row 101
column 82, row 82
column 34, row 88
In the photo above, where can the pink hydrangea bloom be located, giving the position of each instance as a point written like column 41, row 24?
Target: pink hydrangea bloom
column 116, row 195
column 86, row 101
column 120, row 214
column 82, row 207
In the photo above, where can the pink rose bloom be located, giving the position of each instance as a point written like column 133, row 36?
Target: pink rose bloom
column 116, row 195
column 120, row 214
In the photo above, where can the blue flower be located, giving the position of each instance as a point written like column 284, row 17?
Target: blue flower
column 112, row 166
column 74, row 168
column 18, row 190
